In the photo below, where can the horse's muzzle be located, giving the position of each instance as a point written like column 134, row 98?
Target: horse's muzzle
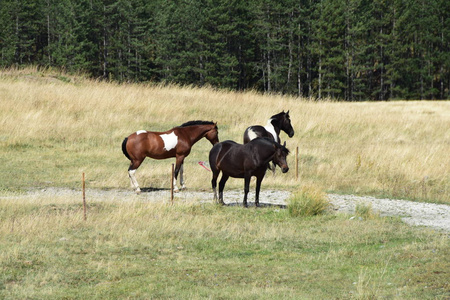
column 291, row 134
column 285, row 169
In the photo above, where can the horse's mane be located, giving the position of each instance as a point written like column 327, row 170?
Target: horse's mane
column 278, row 145
column 277, row 116
column 192, row 123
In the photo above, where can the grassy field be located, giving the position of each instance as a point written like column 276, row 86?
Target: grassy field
column 136, row 250
column 55, row 126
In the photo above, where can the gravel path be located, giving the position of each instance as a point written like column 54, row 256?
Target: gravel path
column 436, row 216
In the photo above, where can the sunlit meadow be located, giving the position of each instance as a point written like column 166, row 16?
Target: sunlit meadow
column 55, row 126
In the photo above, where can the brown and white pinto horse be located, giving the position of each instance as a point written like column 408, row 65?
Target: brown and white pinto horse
column 176, row 142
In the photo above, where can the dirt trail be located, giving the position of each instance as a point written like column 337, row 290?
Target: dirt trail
column 436, row 216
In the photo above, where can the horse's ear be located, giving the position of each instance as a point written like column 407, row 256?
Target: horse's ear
column 287, row 112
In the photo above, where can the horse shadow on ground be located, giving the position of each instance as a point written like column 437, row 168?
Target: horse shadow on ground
column 252, row 204
column 153, row 189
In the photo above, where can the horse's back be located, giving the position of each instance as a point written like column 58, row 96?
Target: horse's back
column 254, row 132
column 226, row 155
column 221, row 149
column 147, row 143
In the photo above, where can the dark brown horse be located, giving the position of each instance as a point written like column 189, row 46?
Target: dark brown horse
column 244, row 161
column 176, row 142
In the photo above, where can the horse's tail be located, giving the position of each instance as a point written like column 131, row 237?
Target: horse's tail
column 124, row 148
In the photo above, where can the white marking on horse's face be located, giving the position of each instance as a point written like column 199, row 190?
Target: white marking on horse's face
column 141, row 131
column 170, row 141
column 269, row 127
column 252, row 135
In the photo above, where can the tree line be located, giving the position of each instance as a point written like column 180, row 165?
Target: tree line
column 343, row 49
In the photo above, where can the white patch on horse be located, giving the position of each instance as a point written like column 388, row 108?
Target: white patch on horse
column 170, row 141
column 269, row 127
column 141, row 131
column 252, row 135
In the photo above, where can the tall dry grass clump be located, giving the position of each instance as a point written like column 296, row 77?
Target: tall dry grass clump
column 53, row 127
column 309, row 201
column 365, row 211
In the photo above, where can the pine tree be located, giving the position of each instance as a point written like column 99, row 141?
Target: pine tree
column 27, row 19
column 8, row 37
column 346, row 49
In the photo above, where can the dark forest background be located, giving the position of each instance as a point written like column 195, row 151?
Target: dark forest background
column 344, row 49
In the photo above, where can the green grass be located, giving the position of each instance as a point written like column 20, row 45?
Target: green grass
column 155, row 251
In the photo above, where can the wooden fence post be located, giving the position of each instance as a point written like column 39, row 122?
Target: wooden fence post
column 84, row 198
column 171, row 184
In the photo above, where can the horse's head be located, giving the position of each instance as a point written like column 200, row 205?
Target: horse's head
column 212, row 135
column 285, row 123
column 279, row 158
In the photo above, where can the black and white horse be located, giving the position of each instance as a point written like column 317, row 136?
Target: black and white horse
column 271, row 130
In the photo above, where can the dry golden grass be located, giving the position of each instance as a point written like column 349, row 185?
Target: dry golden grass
column 54, row 126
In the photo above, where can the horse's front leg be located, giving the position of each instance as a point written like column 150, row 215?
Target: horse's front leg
column 258, row 188
column 178, row 166
column 182, row 177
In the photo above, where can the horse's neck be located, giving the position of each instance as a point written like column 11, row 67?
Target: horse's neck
column 273, row 126
column 197, row 133
column 267, row 156
column 277, row 125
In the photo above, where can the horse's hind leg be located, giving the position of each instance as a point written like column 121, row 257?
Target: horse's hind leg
column 132, row 174
column 222, row 182
column 214, row 184
column 134, row 183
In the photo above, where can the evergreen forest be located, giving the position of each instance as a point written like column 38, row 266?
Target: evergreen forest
column 352, row 50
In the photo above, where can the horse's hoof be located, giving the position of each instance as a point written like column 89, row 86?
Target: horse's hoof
column 138, row 192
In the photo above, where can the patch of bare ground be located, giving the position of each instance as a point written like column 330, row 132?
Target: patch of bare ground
column 436, row 216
